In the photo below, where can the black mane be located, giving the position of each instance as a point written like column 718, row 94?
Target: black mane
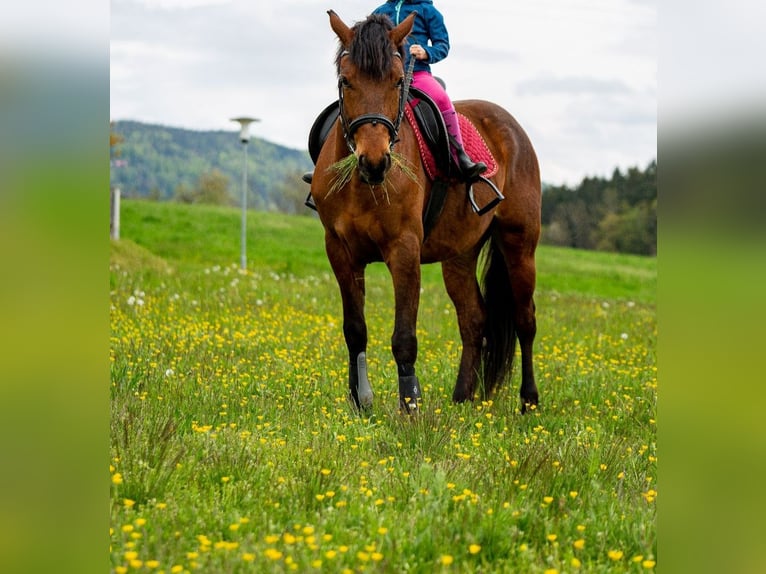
column 370, row 50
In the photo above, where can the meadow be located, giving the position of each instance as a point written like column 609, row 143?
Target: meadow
column 233, row 447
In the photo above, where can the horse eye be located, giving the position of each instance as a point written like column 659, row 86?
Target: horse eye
column 400, row 82
column 344, row 82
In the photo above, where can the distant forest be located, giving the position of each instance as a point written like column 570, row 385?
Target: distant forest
column 164, row 163
column 617, row 214
column 172, row 164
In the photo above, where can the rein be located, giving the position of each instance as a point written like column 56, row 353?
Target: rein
column 349, row 128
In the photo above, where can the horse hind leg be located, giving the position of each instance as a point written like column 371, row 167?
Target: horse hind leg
column 520, row 260
column 463, row 289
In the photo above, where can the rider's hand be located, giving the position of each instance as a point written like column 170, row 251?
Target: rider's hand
column 418, row 52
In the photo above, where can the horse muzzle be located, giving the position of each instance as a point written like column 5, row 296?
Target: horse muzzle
column 374, row 171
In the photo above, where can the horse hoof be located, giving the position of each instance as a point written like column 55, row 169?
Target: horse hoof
column 409, row 394
column 409, row 406
column 528, row 406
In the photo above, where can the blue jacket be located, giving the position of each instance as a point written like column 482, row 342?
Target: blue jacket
column 429, row 25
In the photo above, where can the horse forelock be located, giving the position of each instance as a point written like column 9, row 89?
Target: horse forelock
column 371, row 50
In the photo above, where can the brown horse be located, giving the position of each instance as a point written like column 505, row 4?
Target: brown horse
column 375, row 213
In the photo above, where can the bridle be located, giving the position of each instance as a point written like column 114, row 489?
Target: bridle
column 349, row 128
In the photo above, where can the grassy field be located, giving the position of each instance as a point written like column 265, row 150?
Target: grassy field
column 233, row 448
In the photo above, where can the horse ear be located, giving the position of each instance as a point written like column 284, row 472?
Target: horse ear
column 399, row 33
column 343, row 32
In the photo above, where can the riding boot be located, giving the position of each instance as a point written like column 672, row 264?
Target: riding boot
column 469, row 170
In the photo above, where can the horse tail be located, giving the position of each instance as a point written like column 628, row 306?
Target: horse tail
column 499, row 330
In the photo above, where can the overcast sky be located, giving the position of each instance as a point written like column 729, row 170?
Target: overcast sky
column 579, row 75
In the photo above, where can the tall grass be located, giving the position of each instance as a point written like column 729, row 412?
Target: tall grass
column 234, row 448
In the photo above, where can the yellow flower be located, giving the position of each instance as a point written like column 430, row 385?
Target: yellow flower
column 551, row 537
column 330, row 554
column 116, row 478
column 579, row 544
column 316, row 564
column 377, row 556
column 248, row 556
column 551, row 571
column 120, row 569
column 648, row 564
column 363, row 556
column 325, row 471
column 130, row 555
column 575, row 563
column 446, row 559
column 128, row 502
column 273, row 554
column 474, row 548
column 573, row 493
column 139, row 521
column 382, row 530
column 547, row 499
column 151, row 564
column 615, row 555
column 176, row 569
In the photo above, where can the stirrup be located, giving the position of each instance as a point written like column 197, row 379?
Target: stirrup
column 310, row 202
column 495, row 200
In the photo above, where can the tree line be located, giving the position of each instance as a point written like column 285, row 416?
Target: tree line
column 616, row 214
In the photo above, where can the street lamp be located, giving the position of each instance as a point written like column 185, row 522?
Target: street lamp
column 244, row 137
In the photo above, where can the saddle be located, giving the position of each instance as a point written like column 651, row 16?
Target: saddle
column 433, row 141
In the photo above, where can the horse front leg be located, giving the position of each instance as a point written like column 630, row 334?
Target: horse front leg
column 404, row 265
column 350, row 278
column 463, row 289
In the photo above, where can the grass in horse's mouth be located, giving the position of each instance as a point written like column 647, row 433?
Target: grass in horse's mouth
column 344, row 169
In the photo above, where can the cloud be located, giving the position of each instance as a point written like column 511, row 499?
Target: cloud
column 175, row 4
column 572, row 85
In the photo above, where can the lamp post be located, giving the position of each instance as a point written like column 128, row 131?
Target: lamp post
column 244, row 137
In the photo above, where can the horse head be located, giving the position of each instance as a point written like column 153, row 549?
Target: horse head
column 371, row 86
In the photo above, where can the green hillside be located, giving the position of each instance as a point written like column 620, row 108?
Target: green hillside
column 154, row 161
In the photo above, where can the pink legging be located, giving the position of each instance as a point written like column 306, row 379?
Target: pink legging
column 427, row 83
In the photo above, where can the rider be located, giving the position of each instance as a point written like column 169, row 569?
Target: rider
column 429, row 44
